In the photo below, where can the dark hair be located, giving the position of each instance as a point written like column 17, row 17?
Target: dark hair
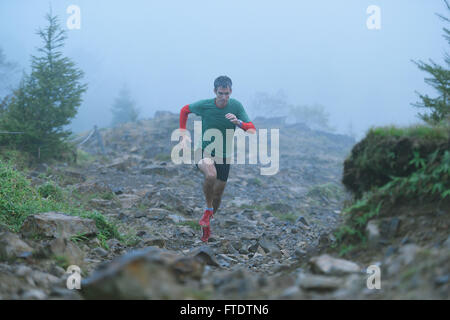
column 222, row 81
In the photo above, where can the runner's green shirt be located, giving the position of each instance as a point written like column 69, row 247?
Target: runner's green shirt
column 214, row 118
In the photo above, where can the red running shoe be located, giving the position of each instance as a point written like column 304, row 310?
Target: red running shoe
column 206, row 233
column 204, row 221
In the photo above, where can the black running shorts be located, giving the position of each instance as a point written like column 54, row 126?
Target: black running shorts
column 222, row 170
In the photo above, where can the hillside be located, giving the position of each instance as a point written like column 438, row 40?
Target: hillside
column 273, row 237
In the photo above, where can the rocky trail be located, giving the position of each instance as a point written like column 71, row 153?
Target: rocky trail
column 269, row 237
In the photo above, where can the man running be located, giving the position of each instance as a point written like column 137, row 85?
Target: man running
column 220, row 113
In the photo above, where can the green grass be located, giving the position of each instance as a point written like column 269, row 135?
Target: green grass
column 286, row 216
column 391, row 151
column 20, row 159
column 163, row 157
column 59, row 177
column 190, row 223
column 414, row 131
column 255, row 181
column 19, row 199
column 86, row 197
column 84, row 158
column 79, row 237
column 50, row 191
column 328, row 190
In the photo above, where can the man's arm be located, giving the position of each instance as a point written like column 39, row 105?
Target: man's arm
column 245, row 123
column 246, row 126
column 184, row 138
column 184, row 116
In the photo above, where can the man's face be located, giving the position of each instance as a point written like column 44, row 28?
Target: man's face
column 222, row 94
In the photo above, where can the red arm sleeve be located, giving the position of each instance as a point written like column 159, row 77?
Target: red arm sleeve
column 247, row 125
column 184, row 116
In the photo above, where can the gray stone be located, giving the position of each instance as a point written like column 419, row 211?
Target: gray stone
column 159, row 242
column 57, row 225
column 120, row 164
column 206, row 255
column 176, row 218
column 326, row 264
column 114, row 245
column 158, row 214
column 34, row 294
column 321, row 283
column 43, row 279
column 230, row 249
column 389, row 251
column 12, row 246
column 57, row 271
column 140, row 214
column 63, row 247
column 150, row 273
column 302, row 220
column 270, row 248
column 447, row 242
column 441, row 280
column 23, row 271
column 128, row 201
column 373, row 233
column 394, row 226
column 100, row 204
column 279, row 207
column 299, row 253
column 159, row 170
column 292, row 292
column 406, row 255
column 64, row 294
column 252, row 247
column 100, row 252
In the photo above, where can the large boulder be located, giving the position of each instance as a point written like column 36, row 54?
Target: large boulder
column 150, row 273
column 57, row 225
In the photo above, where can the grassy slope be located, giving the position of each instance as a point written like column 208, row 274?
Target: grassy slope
column 19, row 199
column 421, row 181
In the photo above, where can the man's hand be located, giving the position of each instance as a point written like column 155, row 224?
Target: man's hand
column 232, row 118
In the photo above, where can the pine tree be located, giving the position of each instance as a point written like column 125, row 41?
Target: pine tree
column 439, row 80
column 46, row 100
column 124, row 108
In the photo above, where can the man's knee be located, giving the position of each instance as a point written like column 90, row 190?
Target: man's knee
column 206, row 165
column 206, row 161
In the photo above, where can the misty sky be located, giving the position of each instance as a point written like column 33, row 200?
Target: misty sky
column 170, row 52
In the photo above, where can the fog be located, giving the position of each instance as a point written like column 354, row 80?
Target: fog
column 170, row 52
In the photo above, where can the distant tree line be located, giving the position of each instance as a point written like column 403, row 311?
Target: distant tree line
column 276, row 105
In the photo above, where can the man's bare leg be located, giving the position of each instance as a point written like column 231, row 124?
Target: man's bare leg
column 206, row 166
column 219, row 187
